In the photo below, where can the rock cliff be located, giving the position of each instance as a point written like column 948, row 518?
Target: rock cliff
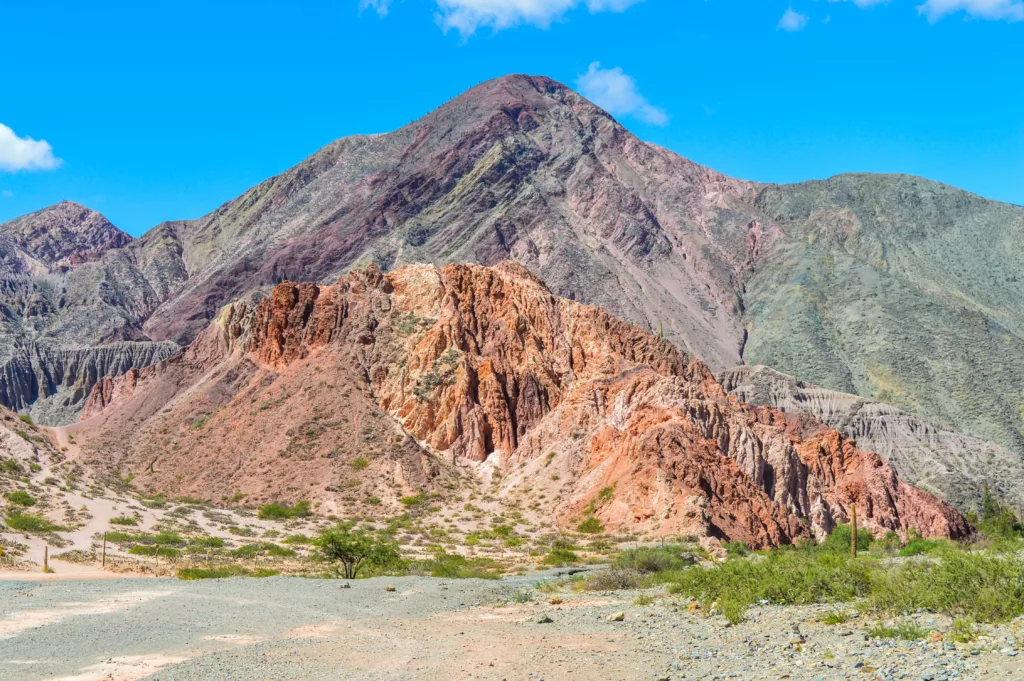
column 956, row 467
column 437, row 370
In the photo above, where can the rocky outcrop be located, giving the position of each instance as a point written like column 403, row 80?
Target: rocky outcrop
column 486, row 368
column 956, row 467
column 52, row 384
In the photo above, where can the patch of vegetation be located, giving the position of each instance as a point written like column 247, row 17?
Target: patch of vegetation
column 590, row 526
column 360, row 463
column 296, row 539
column 919, row 547
column 963, row 631
column 11, row 467
column 840, row 540
column 834, row 617
column 124, row 520
column 643, row 600
column 905, row 630
column 223, row 572
column 31, row 523
column 262, row 548
column 162, row 551
column 560, row 557
column 454, row 566
column 613, row 579
column 25, row 418
column 206, row 543
column 736, row 549
column 276, row 511
column 21, row 498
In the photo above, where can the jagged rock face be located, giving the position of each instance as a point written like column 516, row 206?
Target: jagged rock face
column 52, row 384
column 486, row 365
column 956, row 467
column 57, row 238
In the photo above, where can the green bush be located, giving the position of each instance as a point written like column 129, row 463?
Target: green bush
column 613, row 579
column 162, row 551
column 261, row 548
column 918, row 547
column 590, row 526
column 28, row 522
column 297, row 539
column 360, row 463
column 206, row 542
column 276, row 511
column 124, row 520
column 651, row 560
column 839, row 540
column 560, row 557
column 454, row 566
column 20, row 497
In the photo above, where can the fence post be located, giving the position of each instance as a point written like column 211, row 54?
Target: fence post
column 104, row 564
column 853, row 526
column 46, row 559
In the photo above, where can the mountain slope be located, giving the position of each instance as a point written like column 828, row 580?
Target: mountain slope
column 894, row 288
column 484, row 368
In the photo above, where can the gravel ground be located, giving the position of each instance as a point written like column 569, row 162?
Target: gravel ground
column 293, row 628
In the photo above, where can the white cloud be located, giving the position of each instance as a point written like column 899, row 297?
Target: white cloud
column 379, row 6
column 24, row 153
column 1010, row 10
column 863, row 3
column 616, row 93
column 466, row 16
column 792, row 21
column 6, row 193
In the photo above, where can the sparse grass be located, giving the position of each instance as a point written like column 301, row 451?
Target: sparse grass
column 613, row 579
column 162, row 551
column 963, row 631
column 834, row 617
column 643, row 600
column 124, row 520
column 296, row 539
column 905, row 630
column 223, row 572
column 360, row 463
column 560, row 557
column 454, row 566
column 262, row 548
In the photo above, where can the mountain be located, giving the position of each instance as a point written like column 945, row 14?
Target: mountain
column 561, row 409
column 956, row 467
column 894, row 288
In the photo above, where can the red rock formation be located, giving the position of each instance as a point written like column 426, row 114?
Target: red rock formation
column 487, row 365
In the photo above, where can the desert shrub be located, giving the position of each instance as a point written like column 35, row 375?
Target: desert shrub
column 988, row 588
column 998, row 521
column 890, row 543
column 962, row 631
column 223, row 572
column 124, row 520
column 31, row 523
column 590, row 526
column 839, row 540
column 651, row 560
column 360, row 463
column 206, row 542
column 736, row 549
column 25, row 418
column 162, row 551
column 918, row 547
column 20, row 497
column 296, row 539
column 454, row 566
column 261, row 548
column 613, row 579
column 833, row 617
column 277, row 511
column 560, row 557
column 643, row 599
column 782, row 577
column 414, row 500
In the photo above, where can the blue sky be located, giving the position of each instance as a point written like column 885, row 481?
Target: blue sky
column 164, row 110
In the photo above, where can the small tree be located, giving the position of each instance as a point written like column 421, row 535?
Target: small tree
column 355, row 547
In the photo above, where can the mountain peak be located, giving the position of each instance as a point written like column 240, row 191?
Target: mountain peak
column 60, row 236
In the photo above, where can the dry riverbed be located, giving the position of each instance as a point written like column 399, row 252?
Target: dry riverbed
column 426, row 628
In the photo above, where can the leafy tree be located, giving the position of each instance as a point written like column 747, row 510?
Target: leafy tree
column 355, row 547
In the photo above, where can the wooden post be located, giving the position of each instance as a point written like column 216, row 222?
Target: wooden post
column 156, row 561
column 46, row 558
column 853, row 527
column 104, row 564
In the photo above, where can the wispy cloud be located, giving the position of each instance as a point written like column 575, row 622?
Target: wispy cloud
column 792, row 21
column 1009, row 10
column 6, row 193
column 24, row 153
column 379, row 6
column 467, row 16
column 616, row 93
column 863, row 3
